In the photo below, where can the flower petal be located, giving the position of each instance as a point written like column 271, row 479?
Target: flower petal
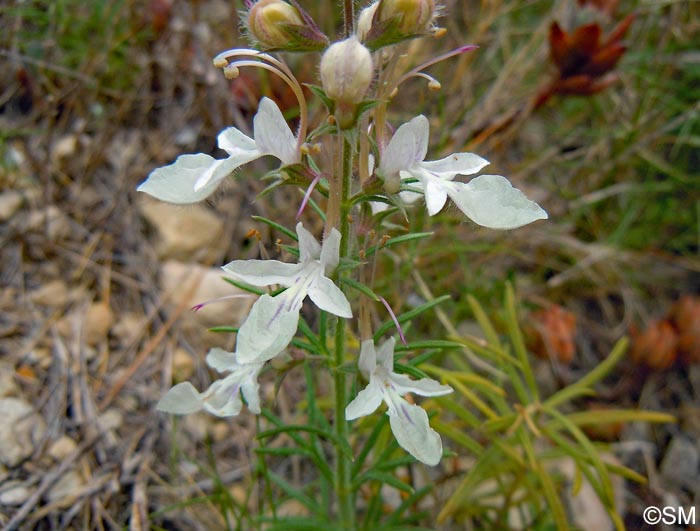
column 266, row 332
column 251, row 392
column 235, row 143
column 223, row 398
column 491, row 201
column 222, row 168
column 435, row 195
column 273, row 135
column 221, row 360
column 424, row 387
column 263, row 272
column 328, row 297
column 365, row 403
column 175, row 183
column 182, row 399
column 407, row 147
column 309, row 248
column 410, row 426
column 330, row 252
column 368, row 358
column 455, row 164
column 385, row 354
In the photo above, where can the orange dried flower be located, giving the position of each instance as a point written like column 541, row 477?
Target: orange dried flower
column 656, row 346
column 584, row 61
column 686, row 317
column 551, row 334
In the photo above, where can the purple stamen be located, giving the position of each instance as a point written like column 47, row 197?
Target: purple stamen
column 307, row 195
column 393, row 318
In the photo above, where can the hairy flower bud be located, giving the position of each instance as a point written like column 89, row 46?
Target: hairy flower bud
column 364, row 21
column 346, row 72
column 278, row 25
column 390, row 21
column 413, row 16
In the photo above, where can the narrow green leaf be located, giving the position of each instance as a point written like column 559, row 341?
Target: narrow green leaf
column 273, row 224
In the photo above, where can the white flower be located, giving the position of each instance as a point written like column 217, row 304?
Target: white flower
column 273, row 320
column 409, row 422
column 192, row 178
column 223, row 398
column 267, row 330
column 488, row 200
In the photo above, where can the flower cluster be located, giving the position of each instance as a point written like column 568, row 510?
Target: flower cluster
column 348, row 73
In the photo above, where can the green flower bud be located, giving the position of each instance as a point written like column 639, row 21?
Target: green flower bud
column 278, row 25
column 390, row 21
column 413, row 16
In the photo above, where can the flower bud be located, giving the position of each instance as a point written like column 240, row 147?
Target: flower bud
column 364, row 21
column 346, row 72
column 413, row 16
column 390, row 21
column 278, row 25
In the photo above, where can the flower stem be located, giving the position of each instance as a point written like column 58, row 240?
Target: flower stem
column 343, row 479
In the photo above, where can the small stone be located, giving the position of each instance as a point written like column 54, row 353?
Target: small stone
column 8, row 385
column 53, row 294
column 14, row 493
column 681, row 463
column 98, row 320
column 52, row 221
column 184, row 232
column 20, row 431
column 128, row 328
column 220, row 431
column 111, row 419
column 183, row 365
column 64, row 147
column 9, row 204
column 68, row 485
column 191, row 284
column 62, row 448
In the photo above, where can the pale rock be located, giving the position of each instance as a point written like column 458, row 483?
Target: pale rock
column 221, row 431
column 292, row 508
column 10, row 202
column 8, row 385
column 111, row 419
column 52, row 221
column 183, row 365
column 14, row 493
column 129, row 328
column 190, row 285
column 184, row 232
column 68, row 485
column 53, row 294
column 62, row 448
column 21, row 430
column 65, row 147
column 681, row 463
column 98, row 321
column 587, row 511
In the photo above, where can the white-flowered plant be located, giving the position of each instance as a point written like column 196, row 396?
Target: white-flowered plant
column 488, row 200
column 409, row 422
column 193, row 178
column 223, row 398
column 333, row 165
column 274, row 319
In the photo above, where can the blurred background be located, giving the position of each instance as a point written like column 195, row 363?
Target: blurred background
column 591, row 107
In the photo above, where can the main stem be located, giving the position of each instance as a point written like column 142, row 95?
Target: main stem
column 343, row 485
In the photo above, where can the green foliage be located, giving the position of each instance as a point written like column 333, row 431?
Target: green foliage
column 519, row 440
